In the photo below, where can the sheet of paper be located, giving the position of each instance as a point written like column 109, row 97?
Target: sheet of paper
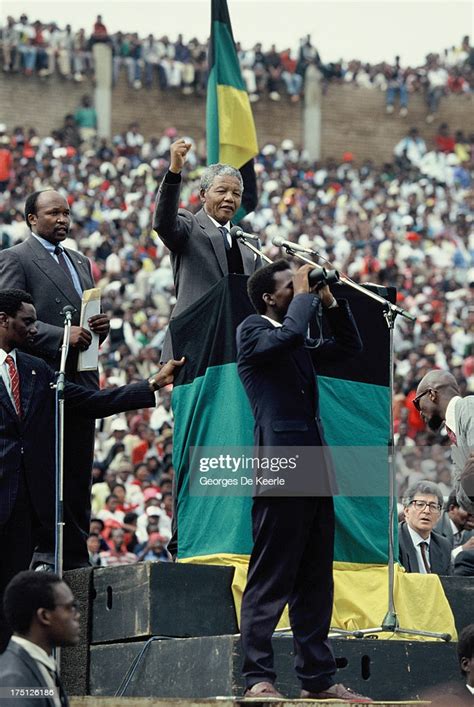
column 89, row 360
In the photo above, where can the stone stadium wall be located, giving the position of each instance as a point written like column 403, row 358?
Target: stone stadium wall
column 353, row 119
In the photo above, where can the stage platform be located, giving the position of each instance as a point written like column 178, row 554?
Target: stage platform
column 219, row 702
column 195, row 655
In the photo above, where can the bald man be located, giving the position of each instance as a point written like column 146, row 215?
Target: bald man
column 438, row 401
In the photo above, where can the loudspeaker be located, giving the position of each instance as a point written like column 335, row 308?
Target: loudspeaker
column 162, row 599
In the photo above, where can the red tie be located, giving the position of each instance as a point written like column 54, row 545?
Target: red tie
column 15, row 383
column 451, row 435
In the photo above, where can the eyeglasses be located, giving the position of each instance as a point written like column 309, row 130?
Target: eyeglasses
column 416, row 401
column 421, row 505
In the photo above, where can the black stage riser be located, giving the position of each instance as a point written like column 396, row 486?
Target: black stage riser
column 164, row 599
column 210, row 667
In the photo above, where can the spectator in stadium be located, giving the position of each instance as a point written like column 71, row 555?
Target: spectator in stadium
column 202, row 250
column 444, row 140
column 396, row 85
column 43, row 615
column 93, row 547
column 437, row 80
column 86, row 120
column 155, row 549
column 10, row 45
column 117, row 554
column 99, row 32
column 421, row 548
column 412, row 147
column 110, row 510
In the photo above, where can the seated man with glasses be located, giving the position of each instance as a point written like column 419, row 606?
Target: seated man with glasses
column 421, row 549
column 43, row 615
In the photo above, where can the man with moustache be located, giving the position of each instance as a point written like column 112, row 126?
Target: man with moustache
column 438, row 401
column 56, row 276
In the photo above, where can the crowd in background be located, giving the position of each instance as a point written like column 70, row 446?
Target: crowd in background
column 407, row 223
column 43, row 48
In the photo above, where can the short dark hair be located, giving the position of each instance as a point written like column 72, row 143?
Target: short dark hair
column 452, row 500
column 26, row 593
column 263, row 281
column 12, row 300
column 31, row 204
column 466, row 644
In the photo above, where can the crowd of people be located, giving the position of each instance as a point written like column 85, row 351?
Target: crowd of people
column 44, row 48
column 407, row 223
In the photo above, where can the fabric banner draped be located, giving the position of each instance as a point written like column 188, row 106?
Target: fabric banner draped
column 211, row 410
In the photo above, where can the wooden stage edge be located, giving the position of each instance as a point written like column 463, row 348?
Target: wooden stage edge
column 219, row 702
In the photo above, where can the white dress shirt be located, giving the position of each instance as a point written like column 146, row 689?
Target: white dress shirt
column 450, row 417
column 417, row 540
column 5, row 372
column 46, row 664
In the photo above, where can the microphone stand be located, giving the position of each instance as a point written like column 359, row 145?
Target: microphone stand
column 390, row 623
column 255, row 250
column 59, row 448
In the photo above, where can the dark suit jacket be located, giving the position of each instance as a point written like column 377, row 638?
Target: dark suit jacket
column 18, row 669
column 198, row 255
column 278, row 374
column 464, row 564
column 30, row 441
column 443, row 527
column 440, row 552
column 28, row 266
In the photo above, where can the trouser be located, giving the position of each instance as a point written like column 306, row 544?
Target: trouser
column 291, row 563
column 78, row 458
column 16, row 542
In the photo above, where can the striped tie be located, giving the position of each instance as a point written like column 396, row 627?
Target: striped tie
column 15, row 383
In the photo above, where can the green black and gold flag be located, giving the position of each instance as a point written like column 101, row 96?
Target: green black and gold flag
column 231, row 136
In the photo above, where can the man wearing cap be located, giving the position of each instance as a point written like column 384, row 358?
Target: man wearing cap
column 55, row 277
column 202, row 249
column 439, row 402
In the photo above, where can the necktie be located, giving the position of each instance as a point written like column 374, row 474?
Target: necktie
column 59, row 252
column 424, row 556
column 223, row 230
column 451, row 435
column 15, row 383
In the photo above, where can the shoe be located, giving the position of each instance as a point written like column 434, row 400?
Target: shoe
column 43, row 567
column 403, row 112
column 429, row 118
column 263, row 689
column 336, row 692
column 389, row 110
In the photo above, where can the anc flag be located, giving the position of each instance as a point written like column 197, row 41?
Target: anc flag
column 212, row 410
column 231, row 136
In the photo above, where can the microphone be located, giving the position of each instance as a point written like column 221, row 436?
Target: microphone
column 281, row 243
column 68, row 311
column 236, row 232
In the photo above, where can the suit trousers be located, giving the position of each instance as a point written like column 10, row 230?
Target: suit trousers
column 16, row 542
column 291, row 563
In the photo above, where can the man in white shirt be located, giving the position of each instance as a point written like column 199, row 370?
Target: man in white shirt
column 420, row 548
column 43, row 615
column 466, row 661
column 438, row 401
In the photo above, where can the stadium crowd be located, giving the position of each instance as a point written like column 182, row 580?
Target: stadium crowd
column 45, row 48
column 406, row 223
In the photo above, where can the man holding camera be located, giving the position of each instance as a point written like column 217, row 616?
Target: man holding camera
column 276, row 369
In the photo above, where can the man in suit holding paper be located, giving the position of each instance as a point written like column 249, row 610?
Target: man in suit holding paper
column 56, row 277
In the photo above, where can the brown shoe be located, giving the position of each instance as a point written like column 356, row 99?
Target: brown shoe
column 336, row 692
column 263, row 689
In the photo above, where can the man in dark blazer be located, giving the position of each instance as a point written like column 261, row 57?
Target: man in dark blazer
column 421, row 549
column 42, row 614
column 438, row 400
column 202, row 250
column 57, row 278
column 276, row 369
column 27, row 424
column 456, row 525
